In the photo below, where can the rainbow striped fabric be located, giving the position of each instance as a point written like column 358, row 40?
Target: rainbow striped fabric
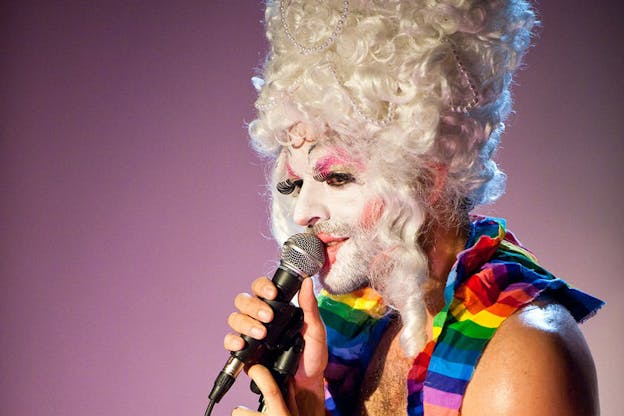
column 491, row 279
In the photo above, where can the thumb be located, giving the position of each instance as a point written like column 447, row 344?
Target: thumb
column 309, row 375
column 311, row 315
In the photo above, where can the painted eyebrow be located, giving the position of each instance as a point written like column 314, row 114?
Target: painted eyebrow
column 309, row 150
column 329, row 161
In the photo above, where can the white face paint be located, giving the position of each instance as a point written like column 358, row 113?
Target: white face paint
column 337, row 195
column 369, row 230
column 333, row 198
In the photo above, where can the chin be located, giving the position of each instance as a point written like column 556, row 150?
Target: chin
column 348, row 273
column 340, row 285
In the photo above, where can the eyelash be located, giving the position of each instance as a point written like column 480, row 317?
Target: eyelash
column 289, row 186
column 334, row 179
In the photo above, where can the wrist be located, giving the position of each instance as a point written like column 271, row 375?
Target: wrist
column 310, row 398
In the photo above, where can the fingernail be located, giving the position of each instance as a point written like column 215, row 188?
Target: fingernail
column 264, row 315
column 257, row 332
column 237, row 408
column 269, row 292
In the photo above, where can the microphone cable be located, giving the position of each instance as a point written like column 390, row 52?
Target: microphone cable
column 302, row 256
column 208, row 411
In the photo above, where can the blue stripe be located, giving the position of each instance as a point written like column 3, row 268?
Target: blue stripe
column 416, row 411
column 445, row 383
column 458, row 370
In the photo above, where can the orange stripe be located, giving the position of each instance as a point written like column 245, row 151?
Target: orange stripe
column 435, row 410
column 473, row 304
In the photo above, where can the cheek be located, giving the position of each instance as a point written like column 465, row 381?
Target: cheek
column 371, row 214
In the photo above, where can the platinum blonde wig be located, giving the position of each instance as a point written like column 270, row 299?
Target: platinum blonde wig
column 420, row 88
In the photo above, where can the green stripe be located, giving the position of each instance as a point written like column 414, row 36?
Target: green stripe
column 459, row 338
column 342, row 318
column 470, row 328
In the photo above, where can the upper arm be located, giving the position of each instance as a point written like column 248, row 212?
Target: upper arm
column 537, row 363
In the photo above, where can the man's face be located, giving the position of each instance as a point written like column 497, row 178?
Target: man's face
column 335, row 200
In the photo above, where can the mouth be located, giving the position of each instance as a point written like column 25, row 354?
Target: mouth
column 330, row 240
column 332, row 245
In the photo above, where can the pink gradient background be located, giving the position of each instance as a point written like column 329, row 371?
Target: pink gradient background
column 132, row 208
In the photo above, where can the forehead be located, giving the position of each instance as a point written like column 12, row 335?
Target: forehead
column 320, row 156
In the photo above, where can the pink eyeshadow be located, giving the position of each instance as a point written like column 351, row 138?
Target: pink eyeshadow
column 325, row 164
column 291, row 172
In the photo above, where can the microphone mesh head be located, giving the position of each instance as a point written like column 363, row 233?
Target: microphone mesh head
column 304, row 253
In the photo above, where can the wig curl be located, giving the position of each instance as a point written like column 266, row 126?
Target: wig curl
column 393, row 83
column 398, row 54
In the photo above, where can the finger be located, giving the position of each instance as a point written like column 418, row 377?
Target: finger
column 254, row 307
column 244, row 411
column 273, row 400
column 311, row 314
column 246, row 325
column 233, row 342
column 264, row 288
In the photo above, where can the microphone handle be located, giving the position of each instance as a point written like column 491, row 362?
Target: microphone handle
column 287, row 282
column 283, row 368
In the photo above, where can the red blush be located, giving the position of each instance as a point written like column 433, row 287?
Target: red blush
column 371, row 213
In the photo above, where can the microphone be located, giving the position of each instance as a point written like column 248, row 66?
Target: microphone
column 302, row 256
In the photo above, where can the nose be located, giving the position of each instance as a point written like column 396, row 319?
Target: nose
column 310, row 207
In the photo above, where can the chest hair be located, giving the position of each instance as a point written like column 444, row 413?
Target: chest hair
column 384, row 388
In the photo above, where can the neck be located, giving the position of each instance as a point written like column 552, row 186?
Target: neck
column 445, row 243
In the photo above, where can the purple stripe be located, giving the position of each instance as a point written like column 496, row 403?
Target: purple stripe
column 442, row 398
column 413, row 386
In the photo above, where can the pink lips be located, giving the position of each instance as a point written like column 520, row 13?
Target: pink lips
column 332, row 245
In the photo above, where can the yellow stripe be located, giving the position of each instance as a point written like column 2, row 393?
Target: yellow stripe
column 484, row 317
column 366, row 300
column 512, row 247
column 436, row 332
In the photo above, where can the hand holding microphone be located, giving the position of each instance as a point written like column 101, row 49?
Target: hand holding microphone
column 261, row 325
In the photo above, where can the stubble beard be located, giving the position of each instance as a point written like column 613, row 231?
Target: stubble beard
column 350, row 270
column 363, row 261
column 395, row 272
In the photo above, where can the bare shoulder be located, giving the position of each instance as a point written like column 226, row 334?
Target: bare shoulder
column 537, row 363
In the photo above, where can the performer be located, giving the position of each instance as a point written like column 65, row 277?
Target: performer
column 380, row 119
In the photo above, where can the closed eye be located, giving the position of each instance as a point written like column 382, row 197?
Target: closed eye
column 289, row 186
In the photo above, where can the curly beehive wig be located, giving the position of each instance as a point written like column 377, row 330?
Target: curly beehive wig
column 420, row 87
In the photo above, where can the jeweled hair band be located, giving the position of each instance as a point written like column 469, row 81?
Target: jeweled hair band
column 391, row 110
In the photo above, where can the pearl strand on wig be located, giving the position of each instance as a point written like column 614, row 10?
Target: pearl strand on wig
column 306, row 50
column 471, row 85
column 358, row 108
